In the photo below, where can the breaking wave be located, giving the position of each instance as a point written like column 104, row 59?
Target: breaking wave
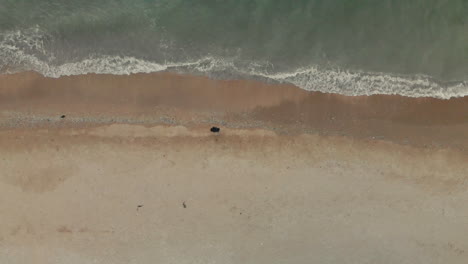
column 25, row 51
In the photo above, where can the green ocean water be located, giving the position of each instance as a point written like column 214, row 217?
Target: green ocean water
column 410, row 47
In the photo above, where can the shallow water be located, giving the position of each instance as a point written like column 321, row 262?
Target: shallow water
column 413, row 48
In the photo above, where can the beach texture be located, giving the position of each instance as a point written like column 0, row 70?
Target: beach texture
column 124, row 169
column 233, row 132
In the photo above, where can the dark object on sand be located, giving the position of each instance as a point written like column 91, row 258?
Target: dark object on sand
column 62, row 116
column 215, row 129
column 184, row 205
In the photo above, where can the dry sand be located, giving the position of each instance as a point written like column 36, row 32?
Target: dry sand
column 132, row 174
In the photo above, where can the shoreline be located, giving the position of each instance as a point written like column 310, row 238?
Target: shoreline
column 29, row 100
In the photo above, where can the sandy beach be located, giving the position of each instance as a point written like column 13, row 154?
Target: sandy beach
column 124, row 169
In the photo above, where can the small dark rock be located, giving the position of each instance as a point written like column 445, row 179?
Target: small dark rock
column 62, row 116
column 215, row 129
column 184, row 205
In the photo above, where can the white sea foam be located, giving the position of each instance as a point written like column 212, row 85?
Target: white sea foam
column 25, row 51
column 364, row 83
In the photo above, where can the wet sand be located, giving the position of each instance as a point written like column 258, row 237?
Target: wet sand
column 132, row 173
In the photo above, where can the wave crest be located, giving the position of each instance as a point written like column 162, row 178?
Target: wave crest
column 25, row 51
